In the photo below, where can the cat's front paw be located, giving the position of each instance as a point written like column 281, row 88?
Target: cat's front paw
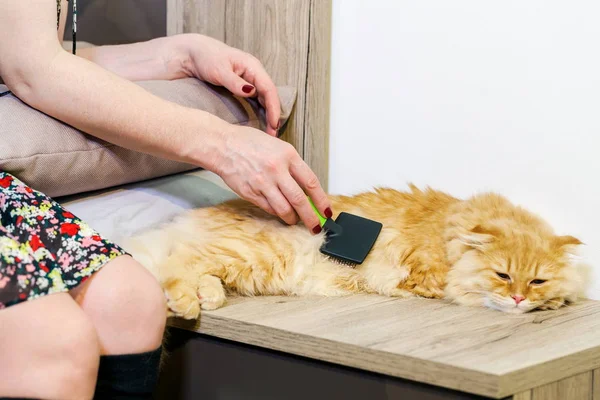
column 552, row 304
column 397, row 292
column 182, row 300
column 469, row 300
column 211, row 292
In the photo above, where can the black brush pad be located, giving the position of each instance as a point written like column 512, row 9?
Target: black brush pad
column 353, row 242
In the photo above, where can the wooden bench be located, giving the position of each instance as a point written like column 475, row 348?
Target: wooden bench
column 362, row 347
column 383, row 348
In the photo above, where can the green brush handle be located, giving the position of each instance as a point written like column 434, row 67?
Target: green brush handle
column 322, row 219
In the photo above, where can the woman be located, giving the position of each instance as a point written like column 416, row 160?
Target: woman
column 100, row 329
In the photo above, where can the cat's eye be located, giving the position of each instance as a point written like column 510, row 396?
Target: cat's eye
column 537, row 281
column 506, row 277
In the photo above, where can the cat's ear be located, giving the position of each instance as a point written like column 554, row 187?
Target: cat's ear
column 566, row 241
column 478, row 236
column 569, row 246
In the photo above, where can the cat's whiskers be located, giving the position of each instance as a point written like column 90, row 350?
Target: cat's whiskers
column 477, row 291
column 504, row 303
column 560, row 303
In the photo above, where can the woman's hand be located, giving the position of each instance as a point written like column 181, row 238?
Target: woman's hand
column 192, row 55
column 271, row 174
column 259, row 167
column 215, row 62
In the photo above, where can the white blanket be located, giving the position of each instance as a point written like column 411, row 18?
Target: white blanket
column 122, row 211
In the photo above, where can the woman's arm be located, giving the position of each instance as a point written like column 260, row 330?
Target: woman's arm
column 262, row 169
column 156, row 59
column 74, row 90
column 188, row 55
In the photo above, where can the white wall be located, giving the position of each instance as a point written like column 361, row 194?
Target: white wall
column 472, row 95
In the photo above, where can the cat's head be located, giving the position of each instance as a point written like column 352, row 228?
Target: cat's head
column 513, row 268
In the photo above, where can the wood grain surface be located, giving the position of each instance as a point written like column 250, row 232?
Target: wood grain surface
column 469, row 349
column 475, row 350
column 596, row 385
column 578, row 387
column 292, row 39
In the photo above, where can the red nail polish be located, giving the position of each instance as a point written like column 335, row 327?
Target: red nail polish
column 328, row 213
column 247, row 88
column 317, row 229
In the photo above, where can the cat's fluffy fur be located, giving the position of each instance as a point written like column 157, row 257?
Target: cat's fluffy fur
column 479, row 251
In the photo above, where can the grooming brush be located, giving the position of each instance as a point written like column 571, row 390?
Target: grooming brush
column 349, row 238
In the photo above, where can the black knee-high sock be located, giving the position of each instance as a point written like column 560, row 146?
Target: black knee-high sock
column 17, row 398
column 128, row 376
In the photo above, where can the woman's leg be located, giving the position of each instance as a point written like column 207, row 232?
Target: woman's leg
column 117, row 302
column 126, row 305
column 128, row 309
column 48, row 350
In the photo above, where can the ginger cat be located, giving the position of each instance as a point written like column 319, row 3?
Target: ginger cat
column 483, row 251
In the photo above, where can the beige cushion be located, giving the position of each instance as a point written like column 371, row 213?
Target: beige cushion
column 59, row 160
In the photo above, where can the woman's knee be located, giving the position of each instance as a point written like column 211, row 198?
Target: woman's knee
column 48, row 349
column 127, row 306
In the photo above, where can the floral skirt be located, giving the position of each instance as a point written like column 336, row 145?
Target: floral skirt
column 44, row 248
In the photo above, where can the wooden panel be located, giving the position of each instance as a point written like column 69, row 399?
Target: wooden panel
column 210, row 366
column 199, row 16
column 316, row 125
column 175, row 16
column 475, row 350
column 276, row 32
column 292, row 39
column 523, row 396
column 546, row 392
column 596, row 385
column 206, row 17
column 578, row 387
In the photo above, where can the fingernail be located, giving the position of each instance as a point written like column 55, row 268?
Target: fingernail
column 247, row 88
column 328, row 213
column 277, row 128
column 317, row 229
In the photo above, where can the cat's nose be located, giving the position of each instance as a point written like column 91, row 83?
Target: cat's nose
column 518, row 298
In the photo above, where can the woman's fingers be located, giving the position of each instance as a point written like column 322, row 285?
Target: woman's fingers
column 273, row 107
column 267, row 92
column 243, row 88
column 298, row 200
column 261, row 202
column 309, row 182
column 236, row 84
column 271, row 174
column 280, row 204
